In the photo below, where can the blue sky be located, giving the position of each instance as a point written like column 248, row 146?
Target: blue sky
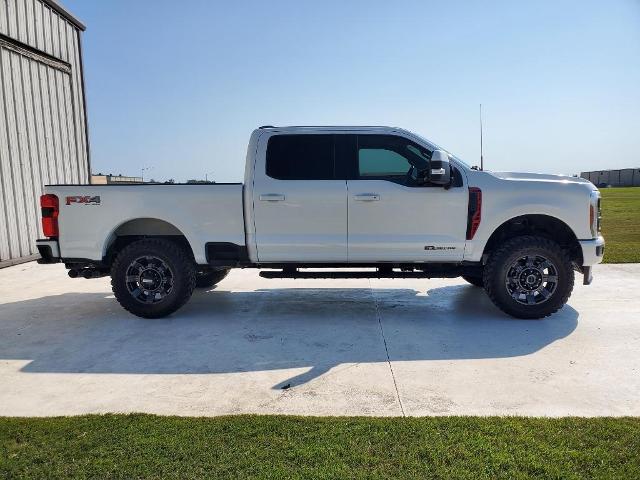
column 179, row 86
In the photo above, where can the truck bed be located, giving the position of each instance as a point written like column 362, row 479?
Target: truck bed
column 91, row 215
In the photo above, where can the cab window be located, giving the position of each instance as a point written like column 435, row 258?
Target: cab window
column 380, row 162
column 300, row 157
column 392, row 158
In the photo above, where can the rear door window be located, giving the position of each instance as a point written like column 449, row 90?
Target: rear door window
column 301, row 157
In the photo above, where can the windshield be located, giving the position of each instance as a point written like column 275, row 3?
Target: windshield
column 438, row 147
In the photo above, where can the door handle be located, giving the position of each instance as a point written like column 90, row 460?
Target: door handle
column 272, row 197
column 366, row 197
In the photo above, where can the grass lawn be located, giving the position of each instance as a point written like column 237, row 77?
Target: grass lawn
column 146, row 446
column 621, row 224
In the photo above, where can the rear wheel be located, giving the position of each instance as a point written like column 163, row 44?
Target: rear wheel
column 152, row 278
column 209, row 279
column 529, row 277
column 474, row 280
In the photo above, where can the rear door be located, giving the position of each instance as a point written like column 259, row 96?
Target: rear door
column 392, row 217
column 300, row 209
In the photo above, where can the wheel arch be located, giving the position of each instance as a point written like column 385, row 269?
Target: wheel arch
column 144, row 227
column 546, row 226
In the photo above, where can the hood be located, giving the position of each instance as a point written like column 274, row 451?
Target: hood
column 539, row 177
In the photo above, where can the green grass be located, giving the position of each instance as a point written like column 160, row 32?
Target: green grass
column 145, row 446
column 621, row 224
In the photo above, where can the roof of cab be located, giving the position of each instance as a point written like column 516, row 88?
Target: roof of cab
column 379, row 129
column 327, row 127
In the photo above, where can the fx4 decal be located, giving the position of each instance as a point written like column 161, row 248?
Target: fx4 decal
column 83, row 200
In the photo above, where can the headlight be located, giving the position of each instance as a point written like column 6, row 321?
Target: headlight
column 594, row 213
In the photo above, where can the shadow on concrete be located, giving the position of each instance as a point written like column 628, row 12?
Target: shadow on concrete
column 225, row 332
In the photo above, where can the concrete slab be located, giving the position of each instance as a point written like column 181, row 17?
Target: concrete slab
column 344, row 347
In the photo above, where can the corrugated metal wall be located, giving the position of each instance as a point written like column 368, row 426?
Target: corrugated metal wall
column 42, row 116
column 626, row 177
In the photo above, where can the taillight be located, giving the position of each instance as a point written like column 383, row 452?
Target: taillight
column 50, row 209
column 474, row 213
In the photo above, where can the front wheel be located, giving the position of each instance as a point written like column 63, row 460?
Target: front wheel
column 153, row 278
column 529, row 277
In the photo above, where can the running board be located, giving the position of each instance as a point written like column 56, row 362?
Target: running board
column 346, row 274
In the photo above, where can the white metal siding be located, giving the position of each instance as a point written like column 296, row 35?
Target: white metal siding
column 42, row 123
column 627, row 177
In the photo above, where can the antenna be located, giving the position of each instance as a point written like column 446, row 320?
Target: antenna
column 481, row 156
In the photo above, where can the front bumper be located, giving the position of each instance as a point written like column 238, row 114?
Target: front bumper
column 592, row 254
column 49, row 251
column 592, row 251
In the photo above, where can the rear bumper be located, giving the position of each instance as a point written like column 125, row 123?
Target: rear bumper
column 49, row 251
column 592, row 254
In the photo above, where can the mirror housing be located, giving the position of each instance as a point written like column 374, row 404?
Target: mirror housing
column 440, row 168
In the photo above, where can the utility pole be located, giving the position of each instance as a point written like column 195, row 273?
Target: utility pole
column 142, row 172
column 206, row 176
column 481, row 155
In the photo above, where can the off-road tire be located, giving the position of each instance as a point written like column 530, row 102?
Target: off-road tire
column 502, row 259
column 173, row 255
column 209, row 279
column 475, row 281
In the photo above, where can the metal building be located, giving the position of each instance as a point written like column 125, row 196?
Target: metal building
column 110, row 179
column 626, row 177
column 43, row 126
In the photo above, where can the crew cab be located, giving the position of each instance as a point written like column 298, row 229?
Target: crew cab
column 346, row 202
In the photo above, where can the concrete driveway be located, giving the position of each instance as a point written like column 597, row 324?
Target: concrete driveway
column 342, row 347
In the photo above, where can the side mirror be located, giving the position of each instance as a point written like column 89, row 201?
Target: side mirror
column 440, row 168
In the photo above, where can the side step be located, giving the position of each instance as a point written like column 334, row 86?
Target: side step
column 344, row 274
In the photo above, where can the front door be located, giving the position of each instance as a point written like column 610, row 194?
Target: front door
column 392, row 217
column 300, row 209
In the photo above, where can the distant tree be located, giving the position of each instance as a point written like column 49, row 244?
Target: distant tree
column 193, row 180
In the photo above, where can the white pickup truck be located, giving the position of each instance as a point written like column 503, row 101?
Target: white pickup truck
column 325, row 202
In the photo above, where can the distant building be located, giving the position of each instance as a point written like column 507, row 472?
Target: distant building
column 626, row 177
column 109, row 179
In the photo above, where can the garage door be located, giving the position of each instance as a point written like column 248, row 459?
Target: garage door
column 37, row 132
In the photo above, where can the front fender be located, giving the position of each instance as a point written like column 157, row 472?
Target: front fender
column 572, row 210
